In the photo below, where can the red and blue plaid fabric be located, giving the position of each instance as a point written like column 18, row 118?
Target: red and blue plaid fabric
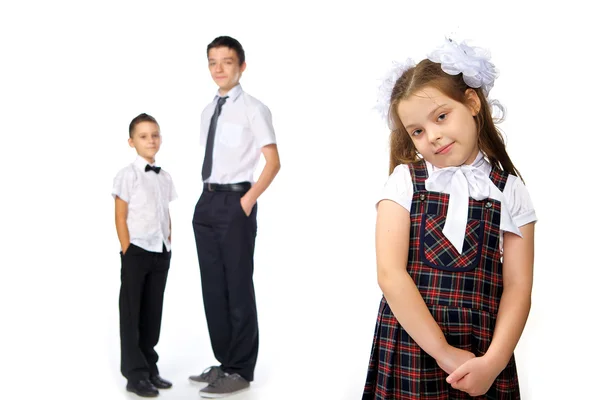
column 462, row 292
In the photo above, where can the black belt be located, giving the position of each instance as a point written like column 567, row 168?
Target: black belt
column 228, row 187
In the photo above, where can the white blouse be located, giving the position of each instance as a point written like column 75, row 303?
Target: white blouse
column 399, row 188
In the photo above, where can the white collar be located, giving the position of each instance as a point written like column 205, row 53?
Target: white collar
column 140, row 162
column 233, row 94
column 461, row 183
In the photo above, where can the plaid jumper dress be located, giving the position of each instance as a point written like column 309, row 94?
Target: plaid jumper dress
column 462, row 292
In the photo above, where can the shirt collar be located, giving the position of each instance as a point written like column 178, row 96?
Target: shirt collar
column 233, row 94
column 141, row 163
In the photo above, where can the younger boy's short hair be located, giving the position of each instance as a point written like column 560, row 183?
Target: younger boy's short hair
column 143, row 117
column 228, row 41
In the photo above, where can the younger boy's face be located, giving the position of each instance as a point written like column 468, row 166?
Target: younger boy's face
column 225, row 68
column 146, row 140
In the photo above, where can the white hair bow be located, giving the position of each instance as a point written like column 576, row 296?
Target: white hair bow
column 455, row 58
column 473, row 62
column 387, row 85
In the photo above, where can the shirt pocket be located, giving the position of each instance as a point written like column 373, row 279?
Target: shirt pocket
column 231, row 134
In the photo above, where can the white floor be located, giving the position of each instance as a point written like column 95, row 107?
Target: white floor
column 306, row 349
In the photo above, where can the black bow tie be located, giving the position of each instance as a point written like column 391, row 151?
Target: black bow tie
column 155, row 169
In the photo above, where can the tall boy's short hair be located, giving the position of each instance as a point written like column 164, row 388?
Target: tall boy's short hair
column 227, row 41
column 143, row 117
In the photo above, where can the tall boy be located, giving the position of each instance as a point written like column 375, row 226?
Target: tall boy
column 142, row 193
column 236, row 129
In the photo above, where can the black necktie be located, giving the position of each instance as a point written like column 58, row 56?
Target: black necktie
column 210, row 141
column 155, row 169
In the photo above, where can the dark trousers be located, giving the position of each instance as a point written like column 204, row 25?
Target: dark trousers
column 225, row 239
column 143, row 280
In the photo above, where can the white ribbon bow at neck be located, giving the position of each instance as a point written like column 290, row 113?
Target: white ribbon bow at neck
column 461, row 183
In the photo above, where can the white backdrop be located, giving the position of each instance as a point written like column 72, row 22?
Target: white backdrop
column 73, row 74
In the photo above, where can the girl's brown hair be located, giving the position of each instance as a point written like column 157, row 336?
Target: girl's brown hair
column 430, row 74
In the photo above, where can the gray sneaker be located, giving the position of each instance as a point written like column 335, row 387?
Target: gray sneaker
column 225, row 386
column 209, row 375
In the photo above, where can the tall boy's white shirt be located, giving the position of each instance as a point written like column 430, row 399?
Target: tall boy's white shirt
column 244, row 127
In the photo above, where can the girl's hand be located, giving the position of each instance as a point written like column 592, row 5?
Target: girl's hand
column 474, row 377
column 453, row 357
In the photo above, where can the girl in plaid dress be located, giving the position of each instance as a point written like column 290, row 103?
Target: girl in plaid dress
column 454, row 238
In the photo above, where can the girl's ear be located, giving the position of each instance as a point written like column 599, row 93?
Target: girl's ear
column 473, row 101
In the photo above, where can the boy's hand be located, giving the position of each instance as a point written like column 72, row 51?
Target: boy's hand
column 247, row 205
column 475, row 376
column 124, row 249
column 453, row 358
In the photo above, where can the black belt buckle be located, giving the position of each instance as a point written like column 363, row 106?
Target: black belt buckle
column 210, row 187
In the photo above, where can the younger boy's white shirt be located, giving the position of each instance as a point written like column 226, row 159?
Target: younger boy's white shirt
column 399, row 188
column 147, row 195
column 244, row 127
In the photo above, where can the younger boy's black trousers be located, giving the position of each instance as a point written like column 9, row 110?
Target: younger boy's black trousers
column 225, row 238
column 143, row 280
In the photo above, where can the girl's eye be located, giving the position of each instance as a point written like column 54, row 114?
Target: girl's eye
column 442, row 117
column 417, row 132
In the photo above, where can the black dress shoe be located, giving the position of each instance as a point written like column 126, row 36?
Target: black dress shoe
column 159, row 382
column 142, row 388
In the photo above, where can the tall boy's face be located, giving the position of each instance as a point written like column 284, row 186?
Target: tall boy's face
column 225, row 68
column 146, row 140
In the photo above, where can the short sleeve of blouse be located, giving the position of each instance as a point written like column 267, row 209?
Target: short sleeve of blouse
column 398, row 187
column 519, row 201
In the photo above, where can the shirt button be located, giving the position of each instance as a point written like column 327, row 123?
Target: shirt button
column 422, row 197
column 488, row 204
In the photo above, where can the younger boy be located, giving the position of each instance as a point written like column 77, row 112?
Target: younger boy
column 142, row 192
